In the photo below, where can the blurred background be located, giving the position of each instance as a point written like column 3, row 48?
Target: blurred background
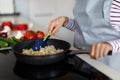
column 41, row 12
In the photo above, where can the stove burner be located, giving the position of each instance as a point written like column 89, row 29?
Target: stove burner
column 41, row 72
column 72, row 68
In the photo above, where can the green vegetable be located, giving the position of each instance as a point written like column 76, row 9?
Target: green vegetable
column 10, row 42
column 15, row 39
column 3, row 44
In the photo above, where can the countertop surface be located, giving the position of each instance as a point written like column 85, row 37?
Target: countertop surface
column 8, row 61
column 72, row 68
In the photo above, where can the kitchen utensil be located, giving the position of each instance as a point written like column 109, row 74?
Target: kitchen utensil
column 41, row 43
column 47, row 59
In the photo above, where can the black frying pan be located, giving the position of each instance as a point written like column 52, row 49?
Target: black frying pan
column 41, row 60
column 47, row 59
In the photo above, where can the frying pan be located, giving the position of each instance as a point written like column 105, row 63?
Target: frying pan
column 41, row 60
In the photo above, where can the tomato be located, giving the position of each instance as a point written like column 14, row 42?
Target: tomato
column 22, row 27
column 7, row 23
column 30, row 35
column 40, row 35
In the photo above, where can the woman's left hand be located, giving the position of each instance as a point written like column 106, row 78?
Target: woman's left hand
column 99, row 50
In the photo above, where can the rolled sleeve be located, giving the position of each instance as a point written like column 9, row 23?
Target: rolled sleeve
column 71, row 25
column 115, row 45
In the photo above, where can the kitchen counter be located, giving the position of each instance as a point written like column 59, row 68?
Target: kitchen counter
column 72, row 68
column 8, row 61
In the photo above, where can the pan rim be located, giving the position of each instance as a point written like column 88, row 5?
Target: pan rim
column 20, row 53
column 40, row 55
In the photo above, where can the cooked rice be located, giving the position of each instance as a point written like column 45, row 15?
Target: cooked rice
column 48, row 50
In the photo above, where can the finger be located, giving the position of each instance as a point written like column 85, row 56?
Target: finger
column 102, row 49
column 107, row 48
column 106, row 51
column 97, row 51
column 93, row 51
column 56, row 29
column 51, row 28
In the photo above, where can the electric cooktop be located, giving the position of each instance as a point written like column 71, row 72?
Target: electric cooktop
column 72, row 68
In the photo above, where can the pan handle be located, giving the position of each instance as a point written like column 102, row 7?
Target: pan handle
column 74, row 52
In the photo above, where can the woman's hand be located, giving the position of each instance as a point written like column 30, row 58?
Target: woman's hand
column 99, row 50
column 56, row 24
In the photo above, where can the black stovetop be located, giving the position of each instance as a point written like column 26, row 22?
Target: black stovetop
column 72, row 68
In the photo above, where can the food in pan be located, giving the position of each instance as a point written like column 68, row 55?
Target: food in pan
column 47, row 50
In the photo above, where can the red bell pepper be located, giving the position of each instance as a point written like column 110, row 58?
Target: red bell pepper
column 22, row 27
column 7, row 23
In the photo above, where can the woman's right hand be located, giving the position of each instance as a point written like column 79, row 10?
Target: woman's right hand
column 56, row 24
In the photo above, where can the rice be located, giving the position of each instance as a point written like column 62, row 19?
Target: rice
column 47, row 50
